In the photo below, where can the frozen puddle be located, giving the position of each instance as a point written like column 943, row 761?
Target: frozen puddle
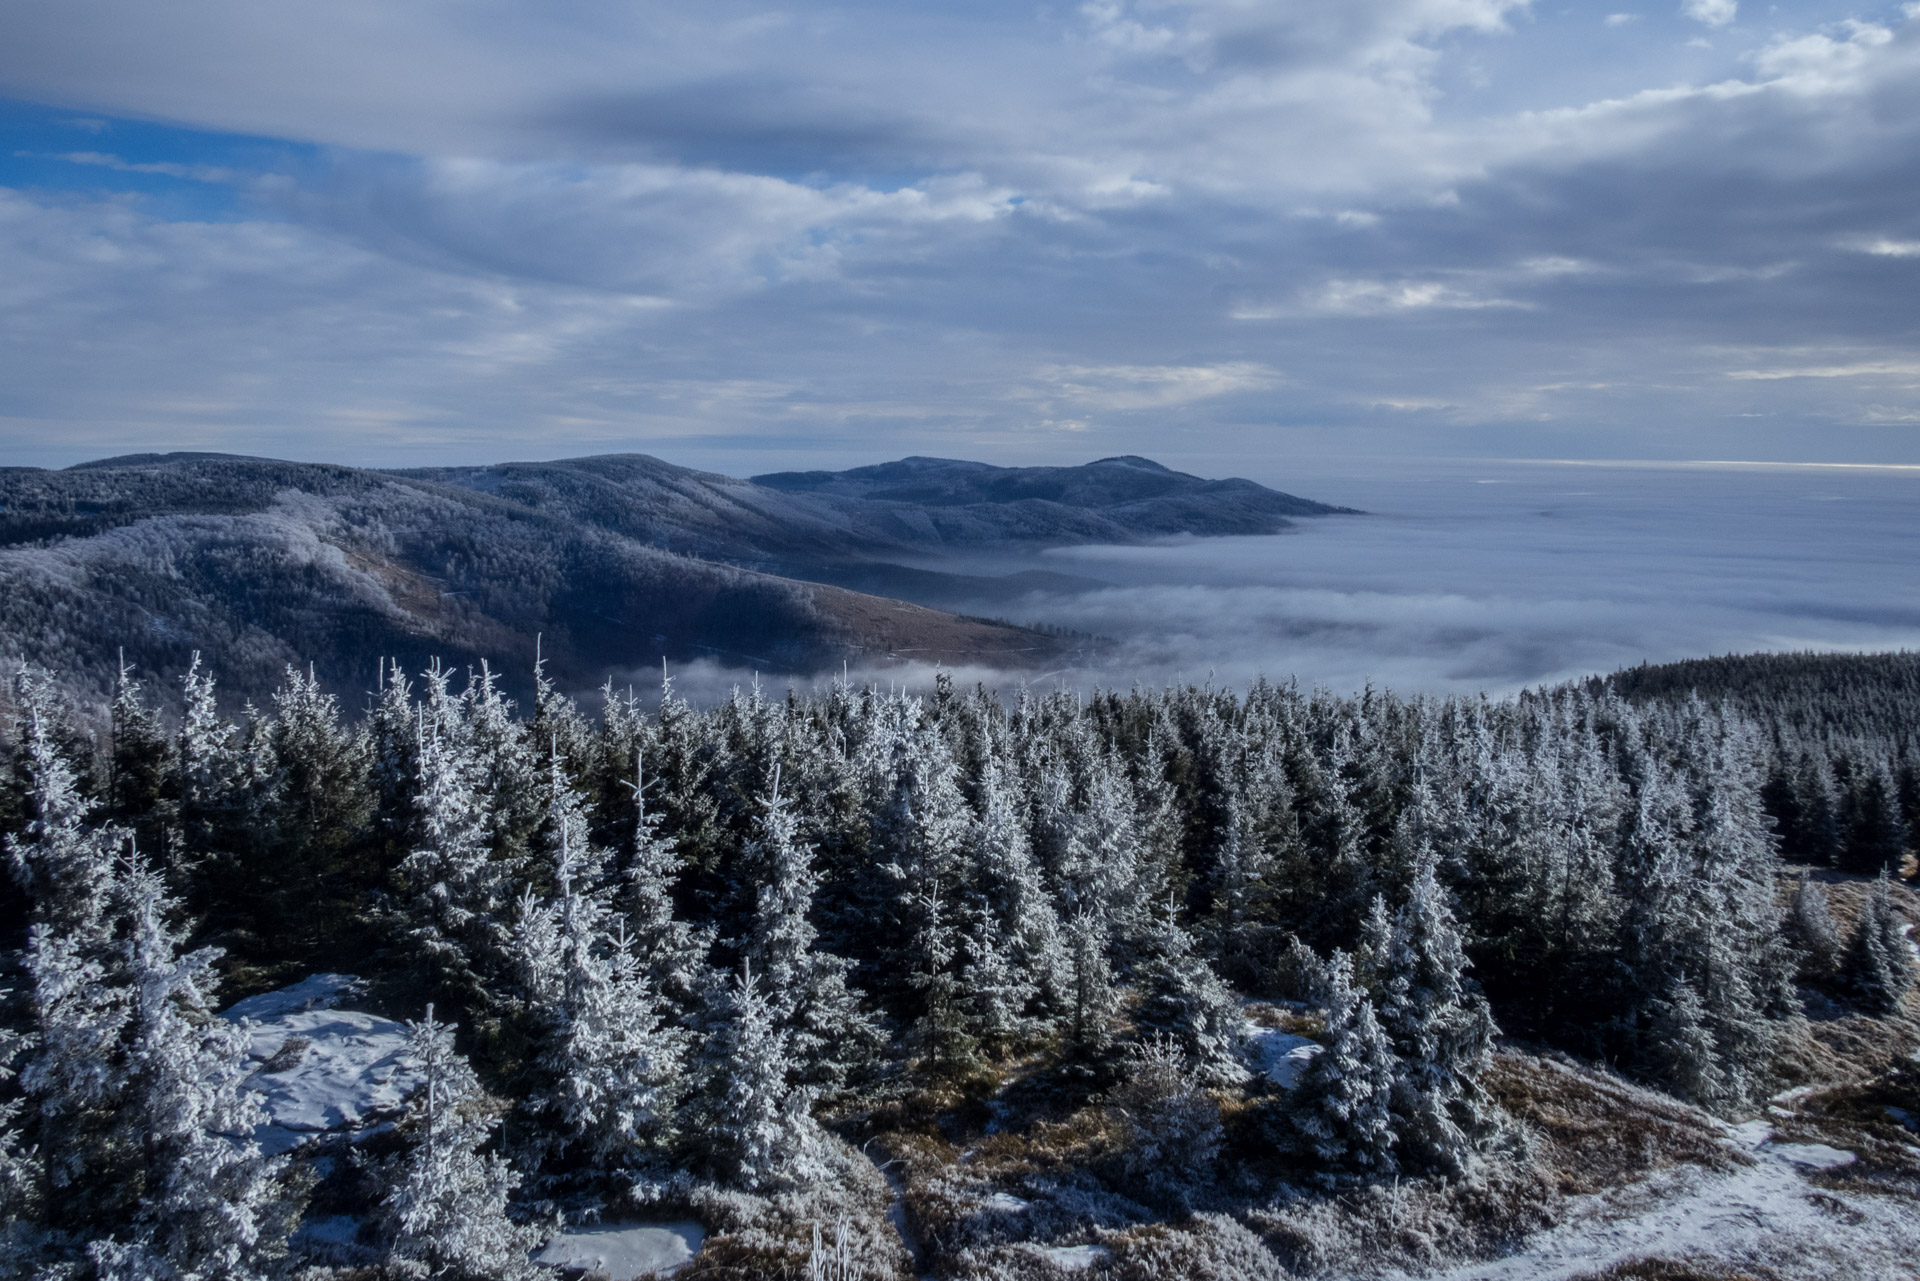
column 321, row 1070
column 624, row 1251
column 1279, row 1056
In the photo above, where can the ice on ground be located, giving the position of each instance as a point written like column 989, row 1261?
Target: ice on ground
column 1810, row 1156
column 625, row 1251
column 1005, row 1202
column 1074, row 1258
column 321, row 1070
column 1279, row 1056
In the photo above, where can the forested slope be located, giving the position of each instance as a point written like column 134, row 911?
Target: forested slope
column 1042, row 951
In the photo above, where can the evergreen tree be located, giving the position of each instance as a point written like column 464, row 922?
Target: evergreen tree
column 445, row 1205
column 1879, row 964
column 609, row 1064
column 1874, row 833
column 141, row 767
column 211, row 1207
column 807, row 992
column 1183, row 1000
column 1441, row 1032
column 1342, row 1107
column 757, row 1130
column 673, row 952
column 64, row 865
column 1812, row 928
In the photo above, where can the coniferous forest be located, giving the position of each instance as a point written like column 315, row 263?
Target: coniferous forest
column 1190, row 982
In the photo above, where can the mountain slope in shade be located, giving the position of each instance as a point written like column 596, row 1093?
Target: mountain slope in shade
column 613, row 562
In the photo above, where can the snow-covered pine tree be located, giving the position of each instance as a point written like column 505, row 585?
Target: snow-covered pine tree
column 757, row 1131
column 445, row 1205
column 806, row 988
column 1879, row 965
column 1342, row 1107
column 672, row 952
column 610, row 1065
column 1183, row 1000
column 1441, row 1030
column 63, row 863
column 210, row 1206
column 1016, row 953
column 141, row 767
column 1811, row 927
column 455, row 910
column 1172, row 1126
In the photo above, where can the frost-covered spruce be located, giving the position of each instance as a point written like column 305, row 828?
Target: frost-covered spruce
column 1814, row 932
column 457, row 895
column 1183, row 1000
column 609, row 1062
column 806, row 988
column 445, row 1206
column 673, row 952
column 1879, row 965
column 756, row 1129
column 1173, row 1128
column 211, row 1207
column 1441, row 1032
column 1342, row 1108
column 63, row 862
column 1017, row 974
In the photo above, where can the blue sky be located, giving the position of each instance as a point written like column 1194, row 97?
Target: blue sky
column 1223, row 233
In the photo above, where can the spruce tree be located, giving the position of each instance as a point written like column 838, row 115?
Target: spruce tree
column 1183, row 1000
column 1441, row 1032
column 1879, row 965
column 445, row 1204
column 757, row 1132
column 1341, row 1109
column 608, row 1063
column 673, row 952
column 806, row 988
column 211, row 1207
column 1811, row 927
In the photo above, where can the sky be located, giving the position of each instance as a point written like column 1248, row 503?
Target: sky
column 1221, row 233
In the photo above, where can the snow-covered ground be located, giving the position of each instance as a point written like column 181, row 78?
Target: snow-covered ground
column 625, row 1251
column 322, row 1070
column 1279, row 1056
column 1764, row 1213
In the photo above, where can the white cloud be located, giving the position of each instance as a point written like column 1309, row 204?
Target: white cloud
column 1133, row 387
column 101, row 160
column 1882, row 246
column 1856, row 369
column 1715, row 13
column 1620, row 19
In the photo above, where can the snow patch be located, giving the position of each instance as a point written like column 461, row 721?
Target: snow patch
column 1811, row 1156
column 625, row 1251
column 1005, row 1203
column 321, row 1070
column 314, row 992
column 1074, row 1258
column 1279, row 1056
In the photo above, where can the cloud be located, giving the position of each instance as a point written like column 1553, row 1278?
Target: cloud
column 101, row 160
column 1620, row 19
column 1859, row 369
column 1714, row 13
column 709, row 229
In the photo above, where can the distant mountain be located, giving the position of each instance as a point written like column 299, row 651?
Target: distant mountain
column 615, row 561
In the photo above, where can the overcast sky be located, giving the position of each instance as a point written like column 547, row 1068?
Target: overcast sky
column 1218, row 232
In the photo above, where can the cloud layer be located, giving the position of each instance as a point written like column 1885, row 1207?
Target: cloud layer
column 1197, row 229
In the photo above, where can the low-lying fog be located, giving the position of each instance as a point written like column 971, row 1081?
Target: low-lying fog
column 1497, row 576
column 1481, row 576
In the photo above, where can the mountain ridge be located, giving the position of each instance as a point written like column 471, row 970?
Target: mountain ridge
column 616, row 560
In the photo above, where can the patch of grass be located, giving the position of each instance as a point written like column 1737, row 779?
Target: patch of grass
column 1593, row 1132
column 1661, row 1269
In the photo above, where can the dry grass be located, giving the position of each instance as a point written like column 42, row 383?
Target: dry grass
column 1659, row 1269
column 1593, row 1132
